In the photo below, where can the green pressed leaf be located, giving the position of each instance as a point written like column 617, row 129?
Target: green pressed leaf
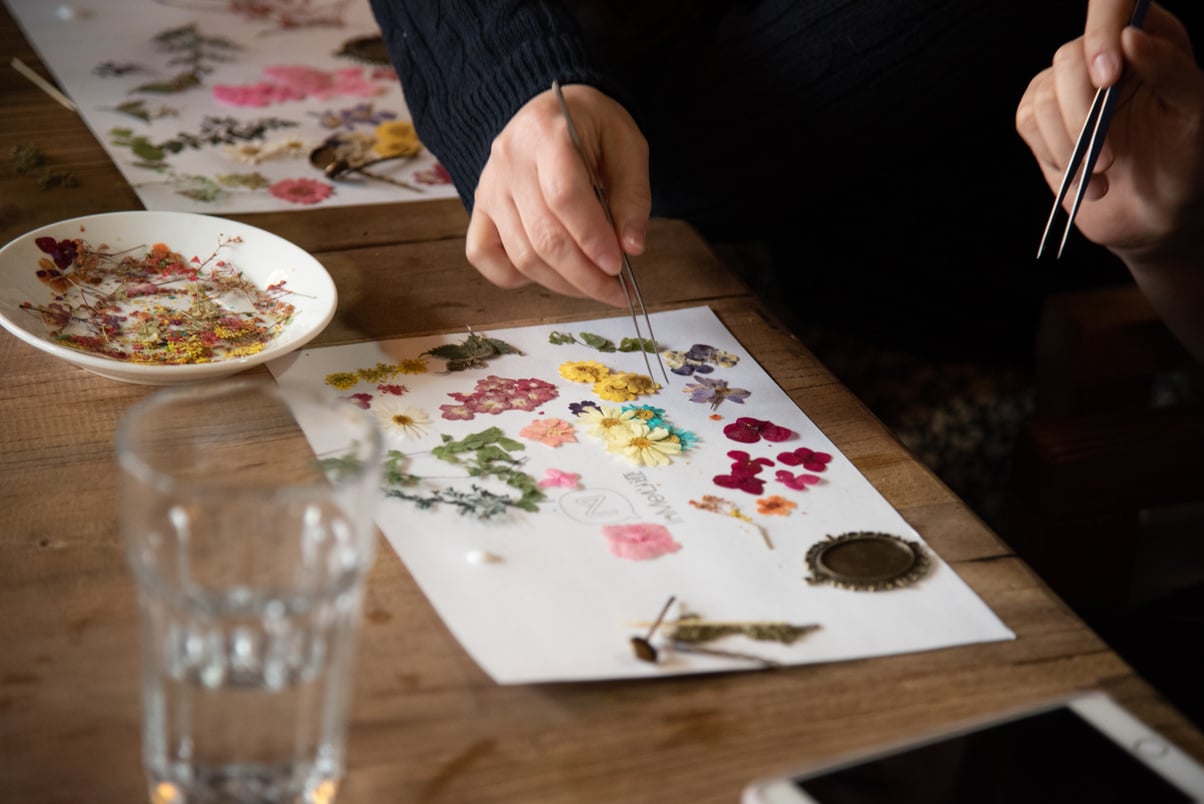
column 561, row 338
column 145, row 149
column 502, row 348
column 184, row 81
column 597, row 342
column 637, row 345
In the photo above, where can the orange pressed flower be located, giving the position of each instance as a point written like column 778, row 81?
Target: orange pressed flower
column 775, row 506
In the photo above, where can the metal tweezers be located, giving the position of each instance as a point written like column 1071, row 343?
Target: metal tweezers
column 626, row 277
column 1090, row 141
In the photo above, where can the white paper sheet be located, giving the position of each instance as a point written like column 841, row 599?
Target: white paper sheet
column 558, row 605
column 102, row 51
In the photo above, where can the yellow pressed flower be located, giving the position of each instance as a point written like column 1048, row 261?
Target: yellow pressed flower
column 583, row 371
column 397, row 138
column 246, row 351
column 379, row 373
column 625, row 387
column 342, row 380
column 413, row 365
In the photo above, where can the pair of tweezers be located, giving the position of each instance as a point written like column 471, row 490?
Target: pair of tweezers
column 1087, row 148
column 626, row 277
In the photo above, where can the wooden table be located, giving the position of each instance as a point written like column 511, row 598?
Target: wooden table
column 428, row 725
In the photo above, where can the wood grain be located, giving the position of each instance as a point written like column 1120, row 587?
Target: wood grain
column 428, row 725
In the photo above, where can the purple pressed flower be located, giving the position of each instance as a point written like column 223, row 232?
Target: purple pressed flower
column 577, row 408
column 714, row 391
column 62, row 251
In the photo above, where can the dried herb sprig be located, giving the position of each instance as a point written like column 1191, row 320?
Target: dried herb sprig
column 483, row 454
column 29, row 159
column 472, row 352
column 693, row 629
column 190, row 49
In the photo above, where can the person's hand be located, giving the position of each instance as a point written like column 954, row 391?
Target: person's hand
column 1149, row 178
column 535, row 217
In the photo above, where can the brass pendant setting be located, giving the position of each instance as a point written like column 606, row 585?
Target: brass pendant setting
column 867, row 561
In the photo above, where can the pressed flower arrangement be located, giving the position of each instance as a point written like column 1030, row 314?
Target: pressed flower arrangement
column 154, row 305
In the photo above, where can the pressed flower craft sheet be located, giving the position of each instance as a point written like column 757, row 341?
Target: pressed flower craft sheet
column 549, row 500
column 221, row 107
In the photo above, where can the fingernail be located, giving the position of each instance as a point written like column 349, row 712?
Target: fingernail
column 1104, row 69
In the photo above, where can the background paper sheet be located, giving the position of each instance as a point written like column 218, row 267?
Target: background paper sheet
column 106, row 51
column 559, row 605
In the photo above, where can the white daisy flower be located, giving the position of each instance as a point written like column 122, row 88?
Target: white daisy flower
column 398, row 419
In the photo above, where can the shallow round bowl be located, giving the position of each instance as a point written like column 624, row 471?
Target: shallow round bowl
column 262, row 257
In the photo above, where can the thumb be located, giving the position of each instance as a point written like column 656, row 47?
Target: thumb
column 1169, row 72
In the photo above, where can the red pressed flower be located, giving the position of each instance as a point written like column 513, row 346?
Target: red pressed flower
column 744, row 464
column 810, row 460
column 747, row 430
column 744, row 482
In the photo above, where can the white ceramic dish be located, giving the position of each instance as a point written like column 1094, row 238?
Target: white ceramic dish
column 262, row 257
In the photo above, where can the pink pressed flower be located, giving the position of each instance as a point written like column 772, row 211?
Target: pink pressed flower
column 796, row 482
column 391, row 389
column 555, row 478
column 360, row 400
column 749, row 431
column 252, row 95
column 351, row 81
column 552, row 432
column 810, row 460
column 302, row 81
column 639, row 542
column 301, row 191
column 459, row 412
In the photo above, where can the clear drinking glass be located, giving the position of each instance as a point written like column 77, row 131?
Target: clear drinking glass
column 249, row 548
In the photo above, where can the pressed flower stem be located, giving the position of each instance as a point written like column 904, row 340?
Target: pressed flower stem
column 686, row 647
column 643, row 647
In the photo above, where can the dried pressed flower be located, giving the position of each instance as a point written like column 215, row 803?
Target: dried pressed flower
column 775, row 506
column 156, row 307
column 552, row 432
column 642, row 445
column 584, row 371
column 397, row 138
column 399, row 419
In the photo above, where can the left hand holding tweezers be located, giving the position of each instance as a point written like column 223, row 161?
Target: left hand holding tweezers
column 1087, row 147
column 626, row 277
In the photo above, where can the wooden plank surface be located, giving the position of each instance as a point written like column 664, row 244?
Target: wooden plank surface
column 428, row 725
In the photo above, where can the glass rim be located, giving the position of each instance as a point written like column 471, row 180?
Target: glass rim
column 130, row 461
